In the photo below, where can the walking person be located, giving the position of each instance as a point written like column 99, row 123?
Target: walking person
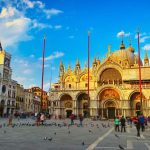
column 81, row 120
column 123, row 123
column 38, row 119
column 138, row 126
column 72, row 119
column 42, row 118
column 117, row 122
column 10, row 119
column 142, row 122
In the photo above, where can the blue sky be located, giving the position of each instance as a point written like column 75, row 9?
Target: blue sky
column 23, row 24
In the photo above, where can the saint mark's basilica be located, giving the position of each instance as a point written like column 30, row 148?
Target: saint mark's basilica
column 113, row 83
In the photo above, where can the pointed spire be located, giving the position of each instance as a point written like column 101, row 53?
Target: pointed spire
column 1, row 47
column 146, row 56
column 98, row 61
column 77, row 62
column 94, row 61
column 69, row 67
column 130, row 48
column 109, row 50
column 61, row 63
column 122, row 46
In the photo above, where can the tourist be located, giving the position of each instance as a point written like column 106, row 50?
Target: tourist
column 10, row 118
column 42, row 118
column 117, row 122
column 81, row 120
column 123, row 121
column 38, row 119
column 72, row 119
column 142, row 122
column 138, row 126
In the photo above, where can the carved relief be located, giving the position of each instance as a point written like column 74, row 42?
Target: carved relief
column 85, row 77
column 69, row 79
column 68, row 104
column 109, row 94
column 136, row 96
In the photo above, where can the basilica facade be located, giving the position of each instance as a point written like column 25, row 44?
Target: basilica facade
column 114, row 87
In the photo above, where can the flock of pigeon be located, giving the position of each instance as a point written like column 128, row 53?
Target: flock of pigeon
column 59, row 125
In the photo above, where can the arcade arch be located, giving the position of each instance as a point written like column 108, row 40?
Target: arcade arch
column 82, row 104
column 66, row 105
column 109, row 100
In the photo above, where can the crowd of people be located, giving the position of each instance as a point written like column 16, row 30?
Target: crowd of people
column 119, row 122
column 140, row 122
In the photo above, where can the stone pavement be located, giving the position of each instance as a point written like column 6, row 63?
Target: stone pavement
column 55, row 136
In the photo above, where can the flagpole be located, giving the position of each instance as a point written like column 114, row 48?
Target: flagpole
column 88, row 74
column 43, row 53
column 139, row 64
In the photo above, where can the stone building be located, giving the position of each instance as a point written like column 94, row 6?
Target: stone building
column 7, row 85
column 37, row 93
column 20, row 98
column 28, row 101
column 114, row 86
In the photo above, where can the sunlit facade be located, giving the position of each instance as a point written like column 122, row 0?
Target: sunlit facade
column 114, row 86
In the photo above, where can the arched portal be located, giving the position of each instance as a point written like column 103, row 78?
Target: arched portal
column 135, row 104
column 82, row 104
column 66, row 105
column 110, row 106
column 109, row 103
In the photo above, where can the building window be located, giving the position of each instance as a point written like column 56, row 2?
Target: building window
column 69, row 86
column 86, row 85
column 3, row 88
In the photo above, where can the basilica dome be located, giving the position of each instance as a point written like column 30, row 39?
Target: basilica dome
column 125, row 56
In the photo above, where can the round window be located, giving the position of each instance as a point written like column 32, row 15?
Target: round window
column 3, row 88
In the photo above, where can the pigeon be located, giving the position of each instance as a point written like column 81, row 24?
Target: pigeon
column 90, row 131
column 120, row 147
column 45, row 138
column 83, row 143
column 55, row 133
column 50, row 139
column 116, row 135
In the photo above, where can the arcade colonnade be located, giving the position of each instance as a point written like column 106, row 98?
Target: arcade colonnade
column 108, row 103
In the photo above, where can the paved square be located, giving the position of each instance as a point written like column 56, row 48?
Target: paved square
column 54, row 135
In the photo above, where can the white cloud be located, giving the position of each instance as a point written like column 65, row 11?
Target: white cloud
column 27, row 71
column 36, row 24
column 142, row 39
column 146, row 47
column 9, row 12
column 54, row 56
column 16, row 27
column 57, row 26
column 51, row 12
column 122, row 33
column 32, row 4
column 46, row 86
